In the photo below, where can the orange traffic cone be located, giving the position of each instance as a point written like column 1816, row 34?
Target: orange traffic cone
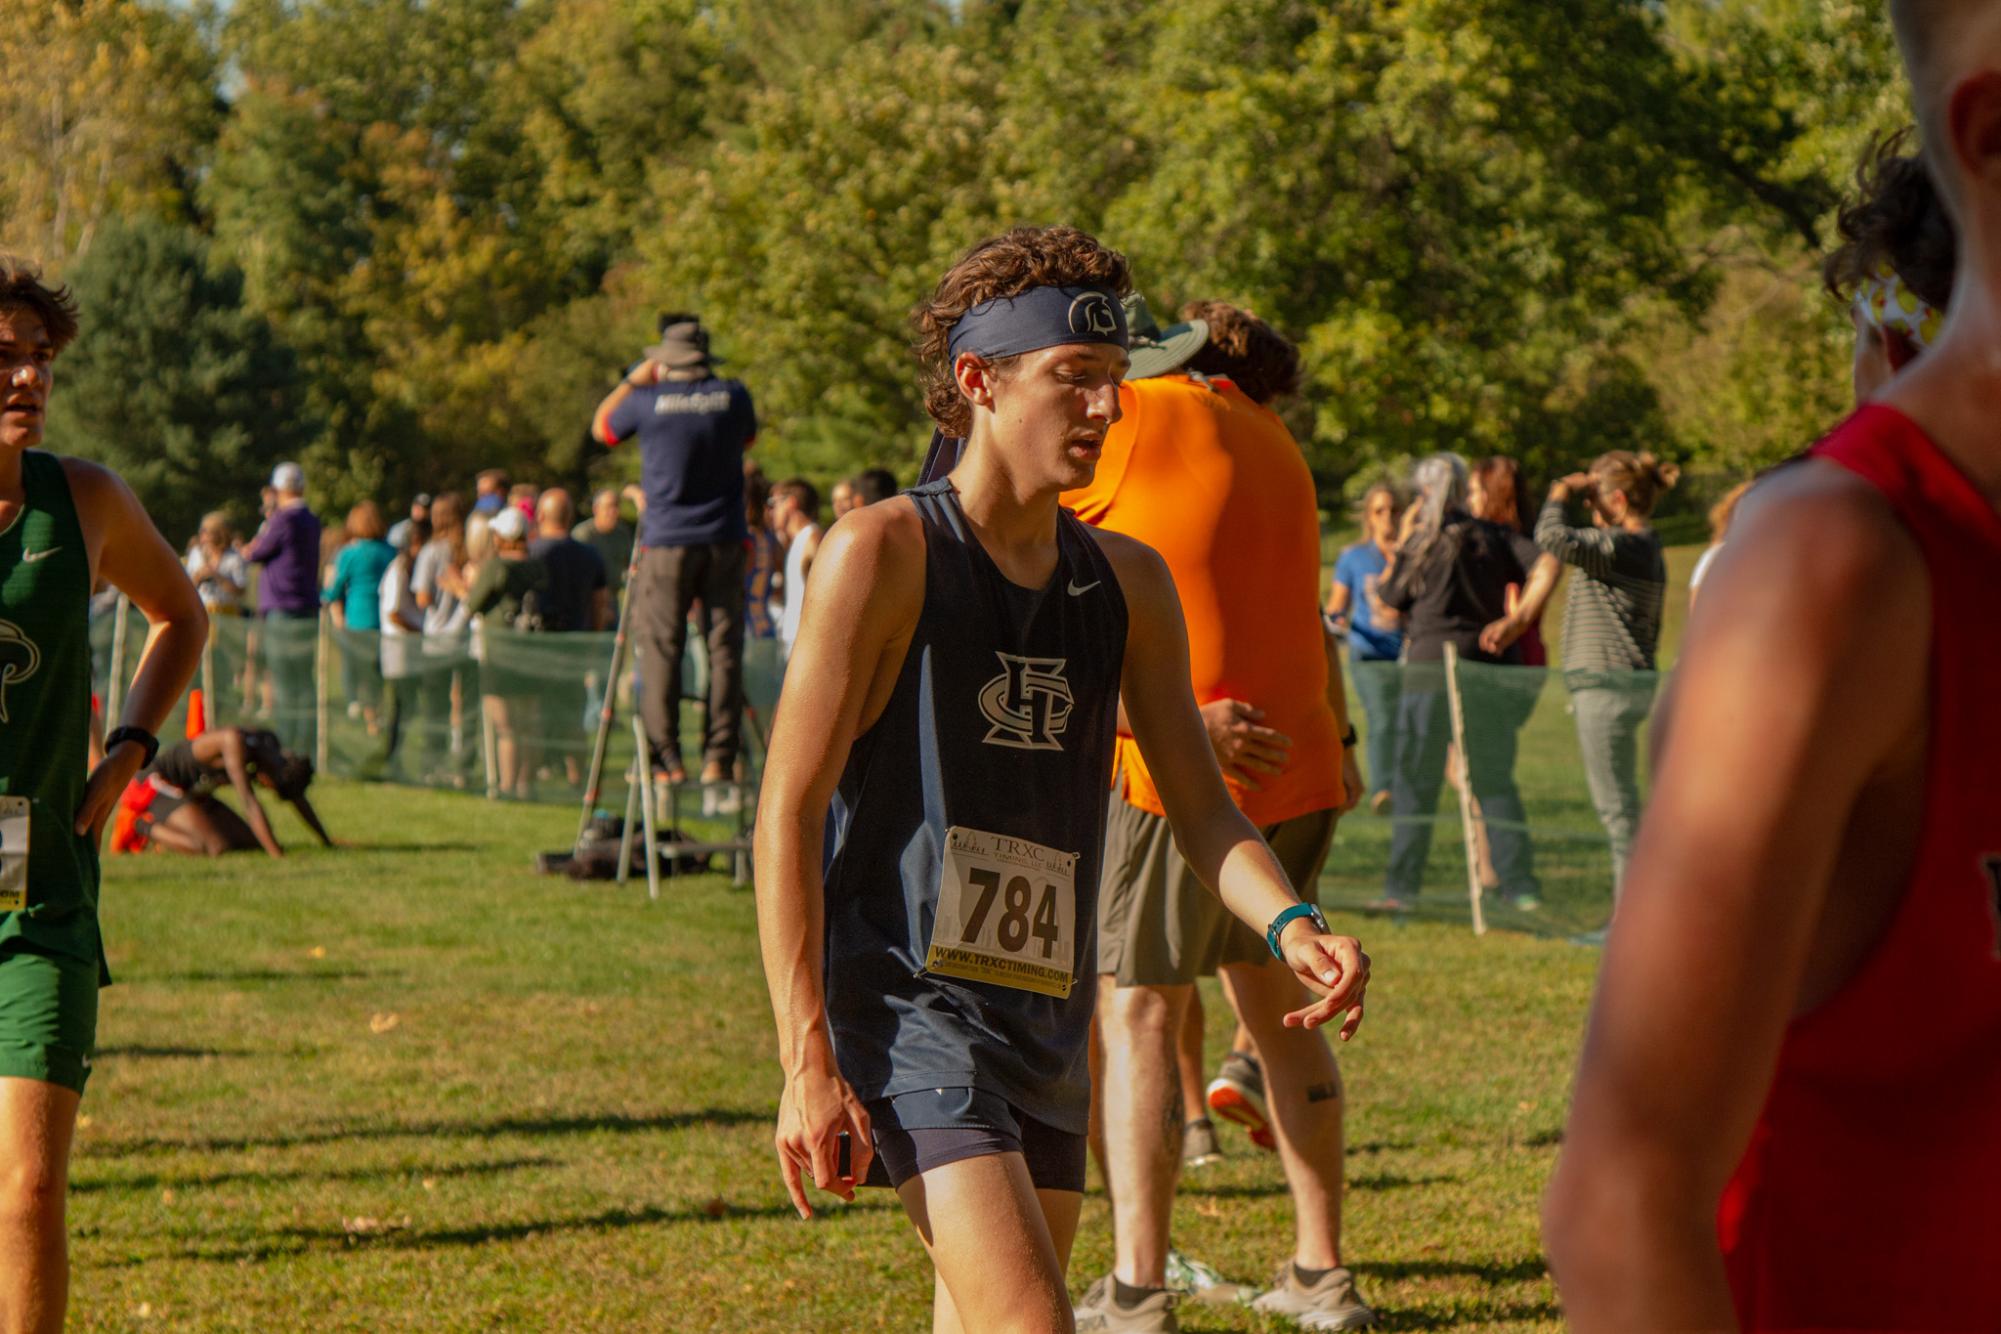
column 197, row 715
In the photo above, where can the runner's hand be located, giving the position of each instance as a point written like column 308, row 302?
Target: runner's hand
column 1351, row 780
column 1243, row 749
column 106, row 785
column 816, row 1107
column 1334, row 968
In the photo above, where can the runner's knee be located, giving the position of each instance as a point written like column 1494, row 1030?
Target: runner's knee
column 1144, row 1014
column 31, row 1197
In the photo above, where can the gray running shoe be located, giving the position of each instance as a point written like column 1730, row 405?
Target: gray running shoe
column 1099, row 1310
column 1200, row 1283
column 1198, row 1144
column 1237, row 1093
column 1330, row 1303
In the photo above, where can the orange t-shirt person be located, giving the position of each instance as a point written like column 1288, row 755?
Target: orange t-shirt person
column 1216, row 484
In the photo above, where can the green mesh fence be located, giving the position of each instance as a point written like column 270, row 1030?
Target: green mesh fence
column 513, row 716
column 1552, row 764
column 510, row 715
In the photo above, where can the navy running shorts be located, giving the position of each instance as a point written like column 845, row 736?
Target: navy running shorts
column 915, row 1132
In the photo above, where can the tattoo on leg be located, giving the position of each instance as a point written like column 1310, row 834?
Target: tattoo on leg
column 1170, row 1118
column 1327, row 1092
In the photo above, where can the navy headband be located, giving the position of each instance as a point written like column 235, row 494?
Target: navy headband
column 1037, row 318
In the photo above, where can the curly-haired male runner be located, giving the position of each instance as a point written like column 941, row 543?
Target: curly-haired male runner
column 945, row 740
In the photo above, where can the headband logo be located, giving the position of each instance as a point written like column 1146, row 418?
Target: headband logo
column 1092, row 314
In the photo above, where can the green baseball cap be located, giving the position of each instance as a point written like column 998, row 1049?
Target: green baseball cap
column 1157, row 351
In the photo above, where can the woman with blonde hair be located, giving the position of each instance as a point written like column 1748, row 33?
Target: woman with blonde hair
column 1611, row 624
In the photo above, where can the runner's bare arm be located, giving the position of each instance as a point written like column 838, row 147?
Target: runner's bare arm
column 235, row 762
column 1221, row 846
column 861, row 607
column 1786, row 704
column 126, row 549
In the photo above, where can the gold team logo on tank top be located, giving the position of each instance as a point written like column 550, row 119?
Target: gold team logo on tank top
column 1028, row 705
column 19, row 660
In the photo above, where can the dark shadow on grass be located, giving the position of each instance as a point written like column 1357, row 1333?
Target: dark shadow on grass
column 1492, row 1271
column 1271, row 1189
column 292, row 1241
column 140, row 1049
column 153, row 1181
column 1545, row 1139
column 604, row 1122
column 266, row 975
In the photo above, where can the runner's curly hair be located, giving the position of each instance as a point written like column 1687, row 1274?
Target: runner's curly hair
column 22, row 288
column 1003, row 265
column 1259, row 359
column 1895, row 215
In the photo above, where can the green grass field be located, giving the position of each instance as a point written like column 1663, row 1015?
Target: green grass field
column 409, row 1085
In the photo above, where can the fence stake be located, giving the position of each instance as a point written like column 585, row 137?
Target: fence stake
column 208, row 695
column 114, row 691
column 1465, row 789
column 322, row 662
column 490, row 742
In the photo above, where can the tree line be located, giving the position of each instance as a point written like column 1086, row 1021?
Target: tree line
column 401, row 240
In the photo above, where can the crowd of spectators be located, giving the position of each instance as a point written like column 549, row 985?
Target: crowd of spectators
column 415, row 607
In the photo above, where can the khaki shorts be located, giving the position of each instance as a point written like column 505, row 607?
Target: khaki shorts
column 1158, row 925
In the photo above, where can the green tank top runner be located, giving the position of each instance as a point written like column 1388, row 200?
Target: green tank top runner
column 45, row 711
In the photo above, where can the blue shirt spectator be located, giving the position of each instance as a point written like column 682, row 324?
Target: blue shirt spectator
column 692, row 435
column 288, row 547
column 1357, row 570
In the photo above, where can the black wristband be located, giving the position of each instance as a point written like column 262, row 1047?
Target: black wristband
column 1348, row 738
column 138, row 734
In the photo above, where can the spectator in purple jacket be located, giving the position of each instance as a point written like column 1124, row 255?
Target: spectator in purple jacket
column 288, row 600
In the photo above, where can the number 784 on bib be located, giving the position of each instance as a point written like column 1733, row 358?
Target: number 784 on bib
column 1007, row 913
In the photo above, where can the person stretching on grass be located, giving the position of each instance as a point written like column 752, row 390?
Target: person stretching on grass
column 945, row 739
column 173, row 805
column 64, row 524
column 1786, row 1110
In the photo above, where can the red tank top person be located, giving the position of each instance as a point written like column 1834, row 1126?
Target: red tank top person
column 1870, row 1194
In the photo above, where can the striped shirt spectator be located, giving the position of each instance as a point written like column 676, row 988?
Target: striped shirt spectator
column 1612, row 616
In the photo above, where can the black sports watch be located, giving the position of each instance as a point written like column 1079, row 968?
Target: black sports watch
column 146, row 739
column 1348, row 738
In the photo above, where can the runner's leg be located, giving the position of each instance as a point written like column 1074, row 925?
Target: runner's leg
column 1000, row 1246
column 37, row 1121
column 1304, row 1095
column 1188, row 1060
column 201, row 830
column 1143, row 1121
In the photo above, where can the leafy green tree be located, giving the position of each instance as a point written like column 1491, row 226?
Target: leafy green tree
column 106, row 108
column 807, row 239
column 173, row 381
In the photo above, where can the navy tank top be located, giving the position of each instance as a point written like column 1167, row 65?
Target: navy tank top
column 990, row 764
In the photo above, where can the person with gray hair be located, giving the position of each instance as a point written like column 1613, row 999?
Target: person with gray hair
column 1448, row 579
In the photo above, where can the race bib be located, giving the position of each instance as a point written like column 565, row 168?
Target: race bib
column 13, row 853
column 1007, row 913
